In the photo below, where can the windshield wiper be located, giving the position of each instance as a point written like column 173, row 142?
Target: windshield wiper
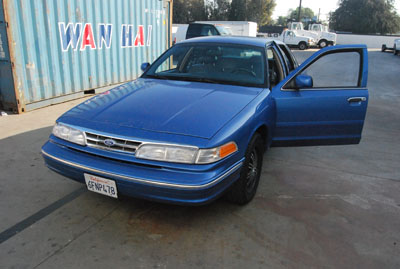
column 157, row 77
column 199, row 79
column 196, row 79
column 182, row 78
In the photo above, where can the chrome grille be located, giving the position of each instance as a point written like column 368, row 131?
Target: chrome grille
column 121, row 145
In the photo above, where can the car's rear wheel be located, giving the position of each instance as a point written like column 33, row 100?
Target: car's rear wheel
column 244, row 189
column 395, row 52
column 302, row 45
column 323, row 43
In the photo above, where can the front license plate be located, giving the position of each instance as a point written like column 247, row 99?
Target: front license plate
column 101, row 185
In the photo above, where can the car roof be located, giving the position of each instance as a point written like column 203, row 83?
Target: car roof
column 240, row 40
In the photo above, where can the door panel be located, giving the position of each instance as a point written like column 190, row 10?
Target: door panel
column 331, row 113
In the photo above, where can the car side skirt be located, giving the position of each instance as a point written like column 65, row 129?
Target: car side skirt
column 315, row 142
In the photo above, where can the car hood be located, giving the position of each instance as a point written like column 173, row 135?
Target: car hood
column 177, row 107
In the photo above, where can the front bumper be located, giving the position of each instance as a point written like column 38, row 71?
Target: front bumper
column 312, row 44
column 144, row 181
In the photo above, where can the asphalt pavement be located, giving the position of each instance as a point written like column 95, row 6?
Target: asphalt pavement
column 316, row 207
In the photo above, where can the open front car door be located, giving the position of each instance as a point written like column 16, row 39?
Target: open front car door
column 324, row 101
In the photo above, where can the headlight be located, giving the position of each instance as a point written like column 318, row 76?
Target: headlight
column 184, row 154
column 216, row 154
column 167, row 153
column 70, row 134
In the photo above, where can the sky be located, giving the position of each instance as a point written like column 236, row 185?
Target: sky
column 282, row 6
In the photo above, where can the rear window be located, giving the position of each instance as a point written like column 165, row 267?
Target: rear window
column 196, row 30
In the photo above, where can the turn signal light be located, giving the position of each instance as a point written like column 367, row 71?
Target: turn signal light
column 227, row 149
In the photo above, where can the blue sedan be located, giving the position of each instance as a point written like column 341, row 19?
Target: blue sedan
column 196, row 124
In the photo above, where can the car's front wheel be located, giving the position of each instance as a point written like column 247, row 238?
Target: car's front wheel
column 244, row 189
column 395, row 50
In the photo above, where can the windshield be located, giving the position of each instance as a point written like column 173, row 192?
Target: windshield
column 315, row 27
column 211, row 63
column 224, row 30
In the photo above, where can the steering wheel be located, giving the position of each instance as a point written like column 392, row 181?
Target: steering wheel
column 244, row 70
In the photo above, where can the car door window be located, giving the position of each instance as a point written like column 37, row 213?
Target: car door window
column 335, row 70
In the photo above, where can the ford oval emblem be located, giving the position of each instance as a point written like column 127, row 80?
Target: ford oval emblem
column 109, row 142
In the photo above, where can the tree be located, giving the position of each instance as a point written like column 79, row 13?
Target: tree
column 306, row 14
column 365, row 17
column 238, row 10
column 180, row 14
column 218, row 10
column 259, row 11
column 186, row 11
column 281, row 21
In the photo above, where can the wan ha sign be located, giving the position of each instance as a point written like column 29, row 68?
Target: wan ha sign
column 79, row 36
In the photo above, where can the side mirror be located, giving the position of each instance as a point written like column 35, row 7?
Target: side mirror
column 304, row 81
column 144, row 66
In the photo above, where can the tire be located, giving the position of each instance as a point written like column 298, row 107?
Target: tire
column 244, row 189
column 395, row 52
column 383, row 49
column 323, row 43
column 302, row 45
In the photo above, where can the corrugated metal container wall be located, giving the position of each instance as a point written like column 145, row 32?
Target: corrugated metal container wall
column 7, row 93
column 60, row 48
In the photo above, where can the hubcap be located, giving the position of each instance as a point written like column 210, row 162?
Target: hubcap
column 252, row 171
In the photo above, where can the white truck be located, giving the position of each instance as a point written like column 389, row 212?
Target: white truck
column 395, row 48
column 238, row 28
column 317, row 31
column 292, row 39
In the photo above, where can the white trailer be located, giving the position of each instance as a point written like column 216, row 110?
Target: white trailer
column 238, row 28
column 179, row 32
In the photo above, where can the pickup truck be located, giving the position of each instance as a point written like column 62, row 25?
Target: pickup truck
column 395, row 48
column 182, row 32
column 325, row 38
column 196, row 124
column 292, row 39
column 317, row 31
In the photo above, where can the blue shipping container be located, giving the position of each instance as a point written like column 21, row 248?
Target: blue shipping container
column 55, row 50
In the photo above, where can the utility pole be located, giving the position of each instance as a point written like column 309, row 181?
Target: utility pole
column 319, row 13
column 245, row 8
column 299, row 15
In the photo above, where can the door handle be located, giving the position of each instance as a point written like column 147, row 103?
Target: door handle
column 356, row 99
